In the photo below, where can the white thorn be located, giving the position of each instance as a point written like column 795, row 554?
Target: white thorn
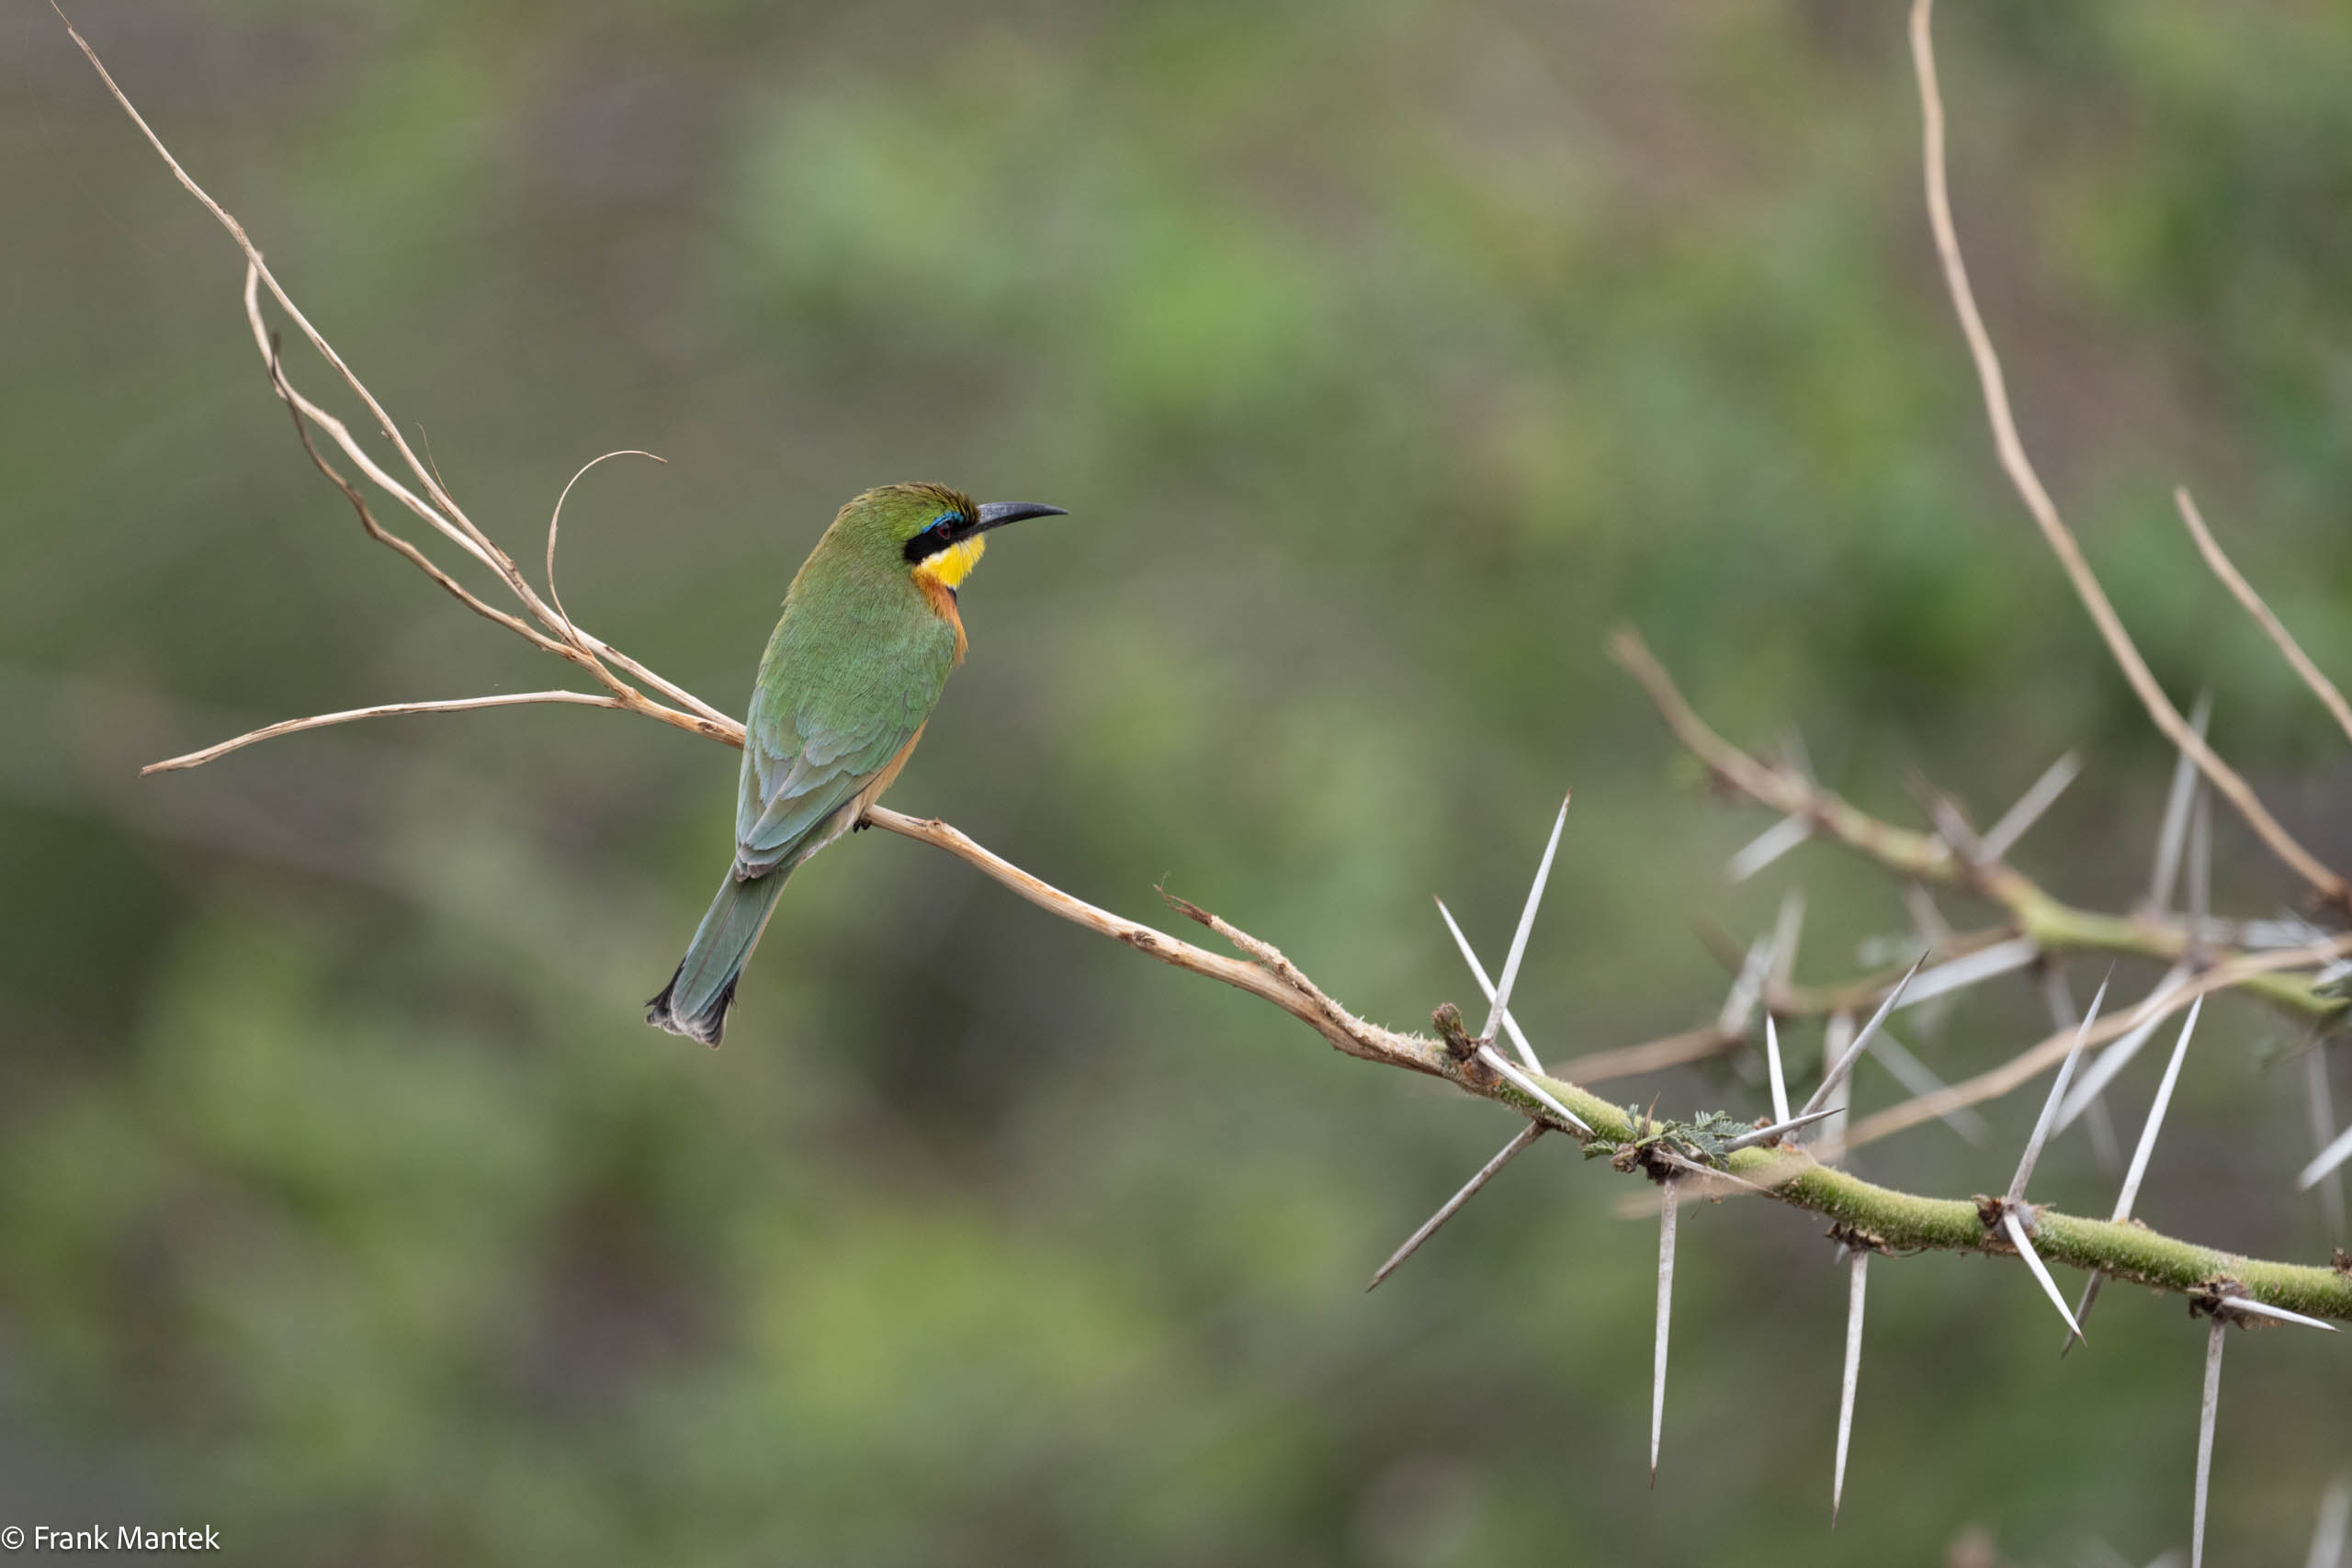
column 2050, row 1106
column 2102, row 1071
column 1767, row 846
column 2334, row 1523
column 1778, row 1130
column 1787, row 929
column 1794, row 753
column 1526, row 924
column 2024, row 1244
column 1665, row 1316
column 1486, row 1173
column 2253, row 1308
column 1478, row 972
column 1952, row 826
column 1919, row 1080
column 1772, row 1065
column 2102, row 1126
column 2200, row 864
column 2083, row 1308
column 2020, row 818
column 1530, row 1087
column 1929, row 921
column 1972, row 968
column 1717, row 1183
column 1857, row 1281
column 2334, row 1154
column 2289, row 930
column 2147, row 1145
column 2323, row 1110
column 2205, row 1417
column 2058, row 997
column 1835, row 1038
column 1732, row 1022
column 2176, row 820
column 1845, row 1063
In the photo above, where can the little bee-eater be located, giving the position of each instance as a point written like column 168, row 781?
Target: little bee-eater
column 848, row 682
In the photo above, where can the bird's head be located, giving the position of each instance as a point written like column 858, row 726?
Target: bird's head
column 931, row 532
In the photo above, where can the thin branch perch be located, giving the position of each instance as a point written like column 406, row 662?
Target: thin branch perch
column 386, row 710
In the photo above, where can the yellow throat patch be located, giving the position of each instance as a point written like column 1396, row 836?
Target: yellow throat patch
column 948, row 568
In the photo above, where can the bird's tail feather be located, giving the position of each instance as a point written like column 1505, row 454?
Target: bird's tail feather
column 695, row 1000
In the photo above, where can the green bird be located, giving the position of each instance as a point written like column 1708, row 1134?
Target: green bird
column 868, row 637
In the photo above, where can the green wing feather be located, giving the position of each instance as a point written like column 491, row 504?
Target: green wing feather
column 829, row 713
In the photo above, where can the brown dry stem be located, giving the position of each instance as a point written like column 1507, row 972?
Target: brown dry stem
column 2281, row 637
column 2061, row 539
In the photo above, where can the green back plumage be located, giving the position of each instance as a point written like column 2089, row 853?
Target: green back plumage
column 851, row 672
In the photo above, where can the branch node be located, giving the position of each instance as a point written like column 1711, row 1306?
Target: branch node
column 1458, row 1042
column 1991, row 1211
column 1184, row 907
column 1852, row 1236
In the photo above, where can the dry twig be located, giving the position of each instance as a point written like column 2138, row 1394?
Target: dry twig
column 2054, row 531
column 2292, row 652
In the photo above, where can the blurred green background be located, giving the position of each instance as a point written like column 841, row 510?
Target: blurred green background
column 1384, row 354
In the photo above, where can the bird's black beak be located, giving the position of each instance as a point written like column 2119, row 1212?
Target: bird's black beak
column 997, row 514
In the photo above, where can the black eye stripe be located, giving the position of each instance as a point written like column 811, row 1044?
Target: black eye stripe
column 945, row 529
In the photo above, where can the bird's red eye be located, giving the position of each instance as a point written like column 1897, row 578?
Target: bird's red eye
column 943, row 531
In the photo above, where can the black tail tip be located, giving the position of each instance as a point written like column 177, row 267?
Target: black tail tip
column 708, row 1026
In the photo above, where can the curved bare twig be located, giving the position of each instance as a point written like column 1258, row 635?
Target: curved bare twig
column 2061, row 539
column 2284, row 640
column 555, row 520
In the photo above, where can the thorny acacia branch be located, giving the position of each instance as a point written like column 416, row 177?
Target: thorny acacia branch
column 1865, row 1213
column 2032, row 913
column 1954, row 859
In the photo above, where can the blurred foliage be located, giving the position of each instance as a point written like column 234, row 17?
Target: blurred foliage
column 1385, row 356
